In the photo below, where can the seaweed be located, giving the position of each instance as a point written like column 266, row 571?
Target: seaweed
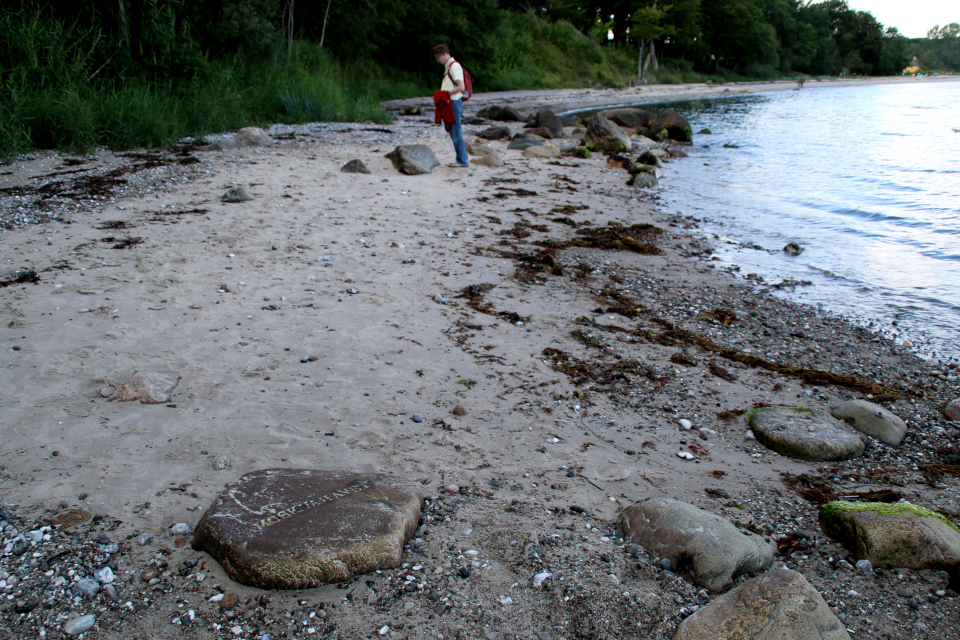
column 607, row 374
column 114, row 224
column 125, row 243
column 19, row 277
column 522, row 229
column 614, row 237
column 519, row 191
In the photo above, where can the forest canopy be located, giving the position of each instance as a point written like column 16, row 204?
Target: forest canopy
column 139, row 72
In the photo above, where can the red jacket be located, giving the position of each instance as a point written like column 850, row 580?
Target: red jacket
column 443, row 109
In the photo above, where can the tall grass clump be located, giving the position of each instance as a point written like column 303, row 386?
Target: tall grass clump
column 65, row 88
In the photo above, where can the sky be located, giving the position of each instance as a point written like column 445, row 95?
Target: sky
column 912, row 19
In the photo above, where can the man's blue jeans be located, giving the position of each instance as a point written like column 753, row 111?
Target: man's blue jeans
column 456, row 132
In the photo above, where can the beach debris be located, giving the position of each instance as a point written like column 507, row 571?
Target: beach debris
column 303, row 528
column 779, row 604
column 614, row 237
column 871, row 419
column 792, row 248
column 893, row 535
column 236, row 194
column 413, row 159
column 604, row 135
column 798, row 433
column 707, row 547
column 149, row 387
column 355, row 166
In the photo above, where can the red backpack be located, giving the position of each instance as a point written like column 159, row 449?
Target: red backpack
column 467, row 82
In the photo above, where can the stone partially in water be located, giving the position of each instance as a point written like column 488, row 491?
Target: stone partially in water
column 779, row 605
column 146, row 386
column 302, row 528
column 798, row 433
column 871, row 419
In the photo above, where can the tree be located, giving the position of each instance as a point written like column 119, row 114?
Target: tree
column 648, row 24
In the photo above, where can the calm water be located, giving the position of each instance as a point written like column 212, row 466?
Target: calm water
column 866, row 179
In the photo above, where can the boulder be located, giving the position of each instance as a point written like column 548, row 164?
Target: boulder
column 617, row 161
column 491, row 159
column 604, row 135
column 674, row 124
column 148, row 387
column 779, row 605
column 792, row 248
column 521, row 144
column 547, row 119
column 893, row 535
column 871, row 419
column 253, row 137
column 495, row 133
column 710, row 549
column 303, row 528
column 629, row 117
column 798, row 433
column 355, row 166
column 542, row 151
column 479, row 148
column 651, row 158
column 502, row 114
column 952, row 410
column 413, row 159
column 569, row 121
column 236, row 194
column 643, row 180
column 545, row 133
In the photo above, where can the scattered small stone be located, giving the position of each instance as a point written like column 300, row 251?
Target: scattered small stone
column 181, row 529
column 459, row 410
column 236, row 194
column 79, row 625
column 452, row 488
column 417, row 418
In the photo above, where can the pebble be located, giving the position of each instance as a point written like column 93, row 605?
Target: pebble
column 417, row 418
column 459, row 410
column 409, row 261
column 88, row 587
column 105, row 575
column 144, row 539
column 452, row 488
column 79, row 624
column 905, row 592
column 110, row 591
column 441, row 299
column 181, row 529
column 686, row 455
column 865, row 567
column 686, row 424
column 149, row 574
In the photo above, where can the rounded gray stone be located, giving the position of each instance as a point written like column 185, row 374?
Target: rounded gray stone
column 798, row 433
column 694, row 541
column 871, row 419
column 779, row 605
column 413, row 159
column 303, row 528
column 79, row 625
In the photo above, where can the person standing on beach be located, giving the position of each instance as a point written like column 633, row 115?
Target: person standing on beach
column 453, row 84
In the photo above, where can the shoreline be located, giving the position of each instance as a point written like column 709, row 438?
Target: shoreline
column 232, row 297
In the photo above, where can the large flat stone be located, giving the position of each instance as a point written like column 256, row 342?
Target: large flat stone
column 413, row 159
column 303, row 528
column 798, row 433
column 779, row 605
column 893, row 535
column 709, row 548
column 871, row 419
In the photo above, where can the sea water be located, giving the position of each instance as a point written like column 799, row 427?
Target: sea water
column 866, row 179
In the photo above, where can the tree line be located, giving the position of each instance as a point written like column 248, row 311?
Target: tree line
column 129, row 72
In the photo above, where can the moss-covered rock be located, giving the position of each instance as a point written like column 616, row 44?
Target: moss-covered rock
column 893, row 535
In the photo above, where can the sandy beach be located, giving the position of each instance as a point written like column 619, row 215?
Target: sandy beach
column 308, row 325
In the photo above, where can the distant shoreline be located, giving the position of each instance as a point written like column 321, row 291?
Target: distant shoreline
column 565, row 101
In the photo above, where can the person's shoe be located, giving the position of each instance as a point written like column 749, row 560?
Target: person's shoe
column 457, row 165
